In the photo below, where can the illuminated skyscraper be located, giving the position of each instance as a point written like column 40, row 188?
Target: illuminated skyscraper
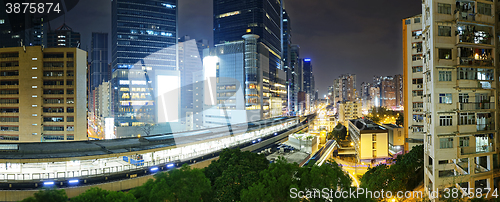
column 144, row 57
column 242, row 90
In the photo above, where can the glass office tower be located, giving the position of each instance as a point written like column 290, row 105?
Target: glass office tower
column 144, row 37
column 235, row 18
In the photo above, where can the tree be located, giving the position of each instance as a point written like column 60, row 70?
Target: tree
column 96, row 194
column 233, row 172
column 52, row 195
column 274, row 183
column 338, row 133
column 183, row 184
column 401, row 120
column 146, row 128
column 404, row 175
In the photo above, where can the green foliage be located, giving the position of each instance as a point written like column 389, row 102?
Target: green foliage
column 277, row 181
column 183, row 184
column 233, row 172
column 52, row 195
column 404, row 175
column 401, row 120
column 274, row 183
column 338, row 133
column 96, row 194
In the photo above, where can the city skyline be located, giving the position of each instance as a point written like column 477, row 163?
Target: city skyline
column 381, row 47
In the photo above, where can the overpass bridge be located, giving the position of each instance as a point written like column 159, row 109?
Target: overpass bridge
column 28, row 166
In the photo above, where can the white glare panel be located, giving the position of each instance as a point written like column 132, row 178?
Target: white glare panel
column 168, row 89
column 210, row 74
column 109, row 128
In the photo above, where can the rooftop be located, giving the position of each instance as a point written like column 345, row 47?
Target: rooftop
column 366, row 125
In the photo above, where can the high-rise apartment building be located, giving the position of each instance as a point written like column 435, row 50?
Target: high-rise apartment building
column 348, row 87
column 413, row 82
column 366, row 103
column 388, row 92
column 375, row 96
column 336, row 94
column 460, row 94
column 145, row 80
column 42, row 94
column 349, row 110
column 63, row 36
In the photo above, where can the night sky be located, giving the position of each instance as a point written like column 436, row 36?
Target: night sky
column 361, row 37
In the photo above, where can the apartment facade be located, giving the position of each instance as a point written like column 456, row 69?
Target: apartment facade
column 460, row 94
column 370, row 141
column 43, row 94
column 349, row 110
column 413, row 80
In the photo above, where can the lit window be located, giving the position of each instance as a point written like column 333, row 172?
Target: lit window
column 34, row 77
column 34, row 86
column 34, row 96
column 228, row 14
column 2, row 21
column 34, row 105
column 445, row 98
column 34, row 68
column 34, row 133
column 34, row 58
column 249, row 30
column 34, row 115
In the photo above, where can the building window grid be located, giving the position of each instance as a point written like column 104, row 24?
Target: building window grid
column 445, row 143
column 444, row 8
column 444, row 30
column 444, row 75
column 445, row 121
column 445, row 98
column 467, row 119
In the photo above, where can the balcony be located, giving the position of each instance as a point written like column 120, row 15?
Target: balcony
column 467, row 61
column 470, row 16
column 476, row 106
column 485, row 127
column 471, row 128
column 474, row 84
column 480, row 169
column 481, row 37
column 476, row 150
